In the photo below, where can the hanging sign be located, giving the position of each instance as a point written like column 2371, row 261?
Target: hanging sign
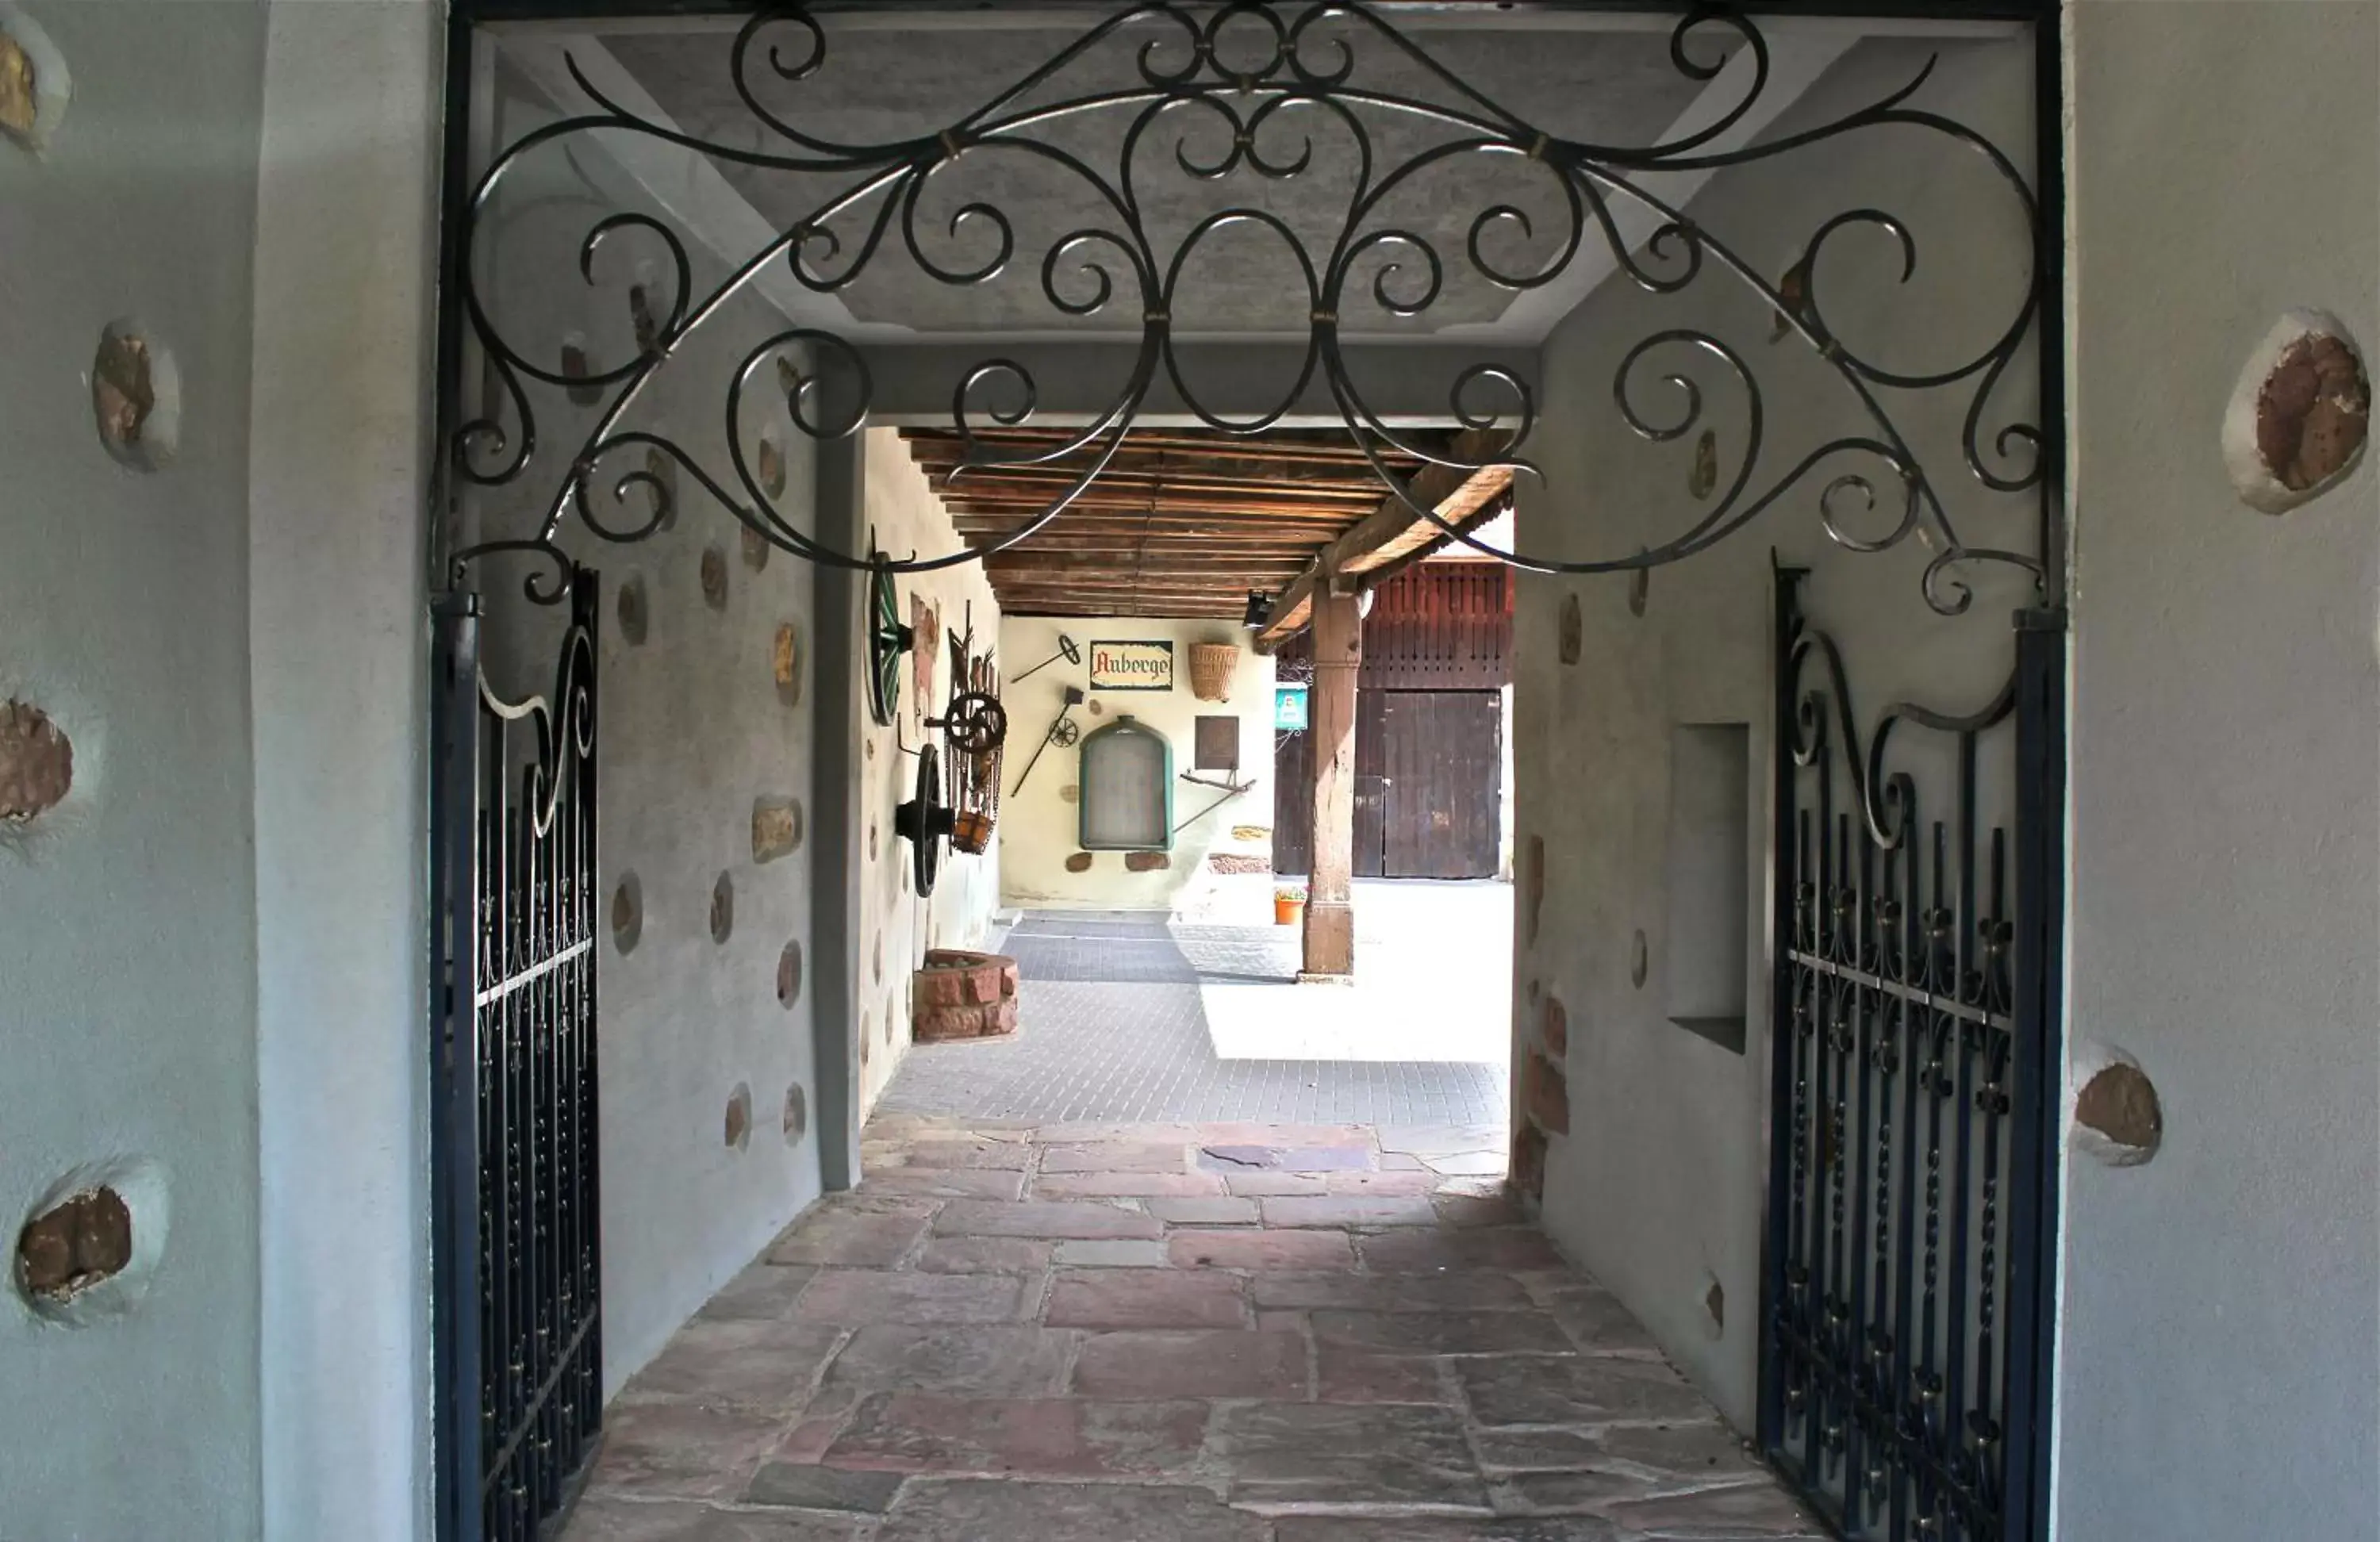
column 1289, row 707
column 1132, row 666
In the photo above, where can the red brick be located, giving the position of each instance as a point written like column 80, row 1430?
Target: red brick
column 1348, row 1374
column 913, row 1432
column 1545, row 1093
column 1214, row 1364
column 1146, row 1298
column 1351, row 1209
column 1555, row 1022
column 1047, row 1219
column 1116, row 1156
column 1137, row 1186
column 1262, row 1250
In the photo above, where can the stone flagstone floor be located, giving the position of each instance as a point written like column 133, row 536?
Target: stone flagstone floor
column 1169, row 1333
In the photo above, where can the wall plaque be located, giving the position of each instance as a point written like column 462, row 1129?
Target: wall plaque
column 1132, row 666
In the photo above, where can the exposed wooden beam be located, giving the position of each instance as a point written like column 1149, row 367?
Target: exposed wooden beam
column 1394, row 531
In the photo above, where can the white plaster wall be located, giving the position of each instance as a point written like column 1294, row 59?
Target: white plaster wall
column 1043, row 822
column 128, row 918
column 694, row 731
column 1657, row 1188
column 2220, row 1336
column 896, row 925
column 339, row 454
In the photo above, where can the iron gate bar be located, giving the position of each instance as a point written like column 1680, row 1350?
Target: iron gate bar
column 1407, row 275
column 517, row 1242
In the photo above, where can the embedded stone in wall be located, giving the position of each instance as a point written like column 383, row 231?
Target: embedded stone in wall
column 962, row 994
column 1639, row 961
column 78, row 1243
column 1238, row 862
column 776, row 827
column 123, row 394
column 1640, row 590
column 1703, row 478
column 1079, row 862
column 866, row 1036
column 715, row 577
column 756, row 548
column 627, row 913
column 797, row 1114
column 2117, row 1117
column 880, row 958
column 1555, row 1025
column 1147, row 861
column 660, row 485
column 36, row 763
column 737, row 1126
column 1251, row 832
column 786, row 664
column 1527, row 1174
column 871, row 843
column 17, row 102
column 722, row 908
column 575, row 366
column 642, row 318
column 1715, row 1306
column 2299, row 415
column 1545, row 1094
column 1570, row 634
column 633, row 613
column 789, row 973
column 768, row 464
column 1071, row 792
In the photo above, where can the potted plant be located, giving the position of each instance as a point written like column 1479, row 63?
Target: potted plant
column 1288, row 904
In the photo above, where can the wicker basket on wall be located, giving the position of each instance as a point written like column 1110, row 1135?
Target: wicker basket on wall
column 1211, row 665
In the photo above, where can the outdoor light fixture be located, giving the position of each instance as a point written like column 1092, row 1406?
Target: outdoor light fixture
column 1260, row 614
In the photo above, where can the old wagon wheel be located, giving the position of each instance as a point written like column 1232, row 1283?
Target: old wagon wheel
column 927, row 821
column 888, row 638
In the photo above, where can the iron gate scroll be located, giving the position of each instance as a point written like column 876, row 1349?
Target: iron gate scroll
column 1910, row 1203
column 519, row 1288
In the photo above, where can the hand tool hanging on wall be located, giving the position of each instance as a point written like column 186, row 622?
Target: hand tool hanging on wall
column 1230, row 789
column 1067, row 651
column 1061, row 732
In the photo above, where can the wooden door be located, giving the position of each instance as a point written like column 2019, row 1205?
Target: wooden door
column 1371, row 785
column 1442, row 755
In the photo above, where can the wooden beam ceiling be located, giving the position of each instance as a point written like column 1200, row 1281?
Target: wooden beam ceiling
column 1177, row 523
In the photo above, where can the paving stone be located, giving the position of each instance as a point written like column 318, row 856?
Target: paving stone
column 855, row 1296
column 1597, row 1323
column 1128, row 1185
column 1418, row 1529
column 1477, row 1209
column 1346, row 1374
column 1306, row 1454
column 961, row 1511
column 1279, row 1159
column 1204, row 1212
column 1030, row 1437
column 1226, row 1363
column 1471, row 1291
column 849, row 1239
column 1264, row 1185
column 1720, row 1516
column 1670, row 1457
column 1116, row 1156
column 765, row 1363
column 1395, row 1184
column 1134, row 1253
column 1501, row 1248
column 983, row 1256
column 1261, row 1250
column 958, row 1183
column 763, row 1292
column 1287, row 1136
column 1099, row 1133
column 976, row 1153
column 1344, row 1210
column 1438, row 1140
column 806, row 1443
column 1591, row 1492
column 1443, row 1332
column 957, row 1362
column 1401, row 1161
column 1469, row 1164
column 1147, row 1298
column 681, row 1449
column 805, row 1488
column 963, row 1218
column 1575, row 1390
column 602, row 1518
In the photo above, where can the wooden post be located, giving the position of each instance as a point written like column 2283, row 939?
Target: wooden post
column 1330, row 902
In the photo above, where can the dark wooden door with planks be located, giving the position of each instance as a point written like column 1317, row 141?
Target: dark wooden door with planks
column 1429, row 732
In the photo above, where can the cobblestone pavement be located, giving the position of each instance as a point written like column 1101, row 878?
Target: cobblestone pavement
column 1107, row 1333
column 1116, row 1010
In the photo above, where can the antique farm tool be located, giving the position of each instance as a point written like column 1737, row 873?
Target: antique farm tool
column 975, row 725
column 926, row 819
column 888, row 638
column 1067, row 651
column 974, row 721
column 1063, row 731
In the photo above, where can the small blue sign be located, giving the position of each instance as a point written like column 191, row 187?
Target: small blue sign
column 1289, row 707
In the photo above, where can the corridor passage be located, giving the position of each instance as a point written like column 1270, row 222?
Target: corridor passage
column 1168, row 1333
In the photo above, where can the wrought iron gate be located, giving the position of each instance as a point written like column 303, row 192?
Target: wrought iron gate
column 1904, row 1370
column 518, row 1291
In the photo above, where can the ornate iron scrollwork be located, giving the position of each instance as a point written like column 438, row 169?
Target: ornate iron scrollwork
column 1263, row 82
